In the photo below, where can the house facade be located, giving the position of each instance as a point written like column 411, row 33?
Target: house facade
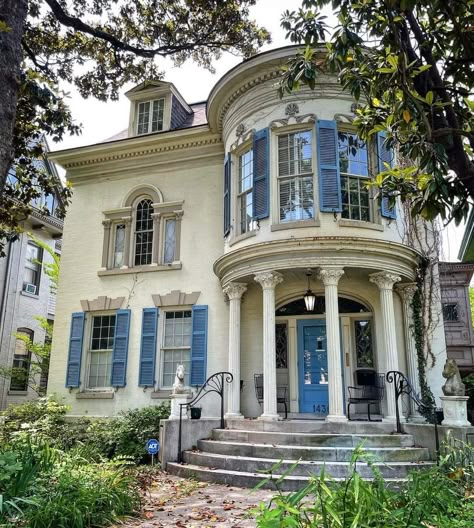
column 25, row 292
column 236, row 234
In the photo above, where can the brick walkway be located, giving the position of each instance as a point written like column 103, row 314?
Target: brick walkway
column 173, row 501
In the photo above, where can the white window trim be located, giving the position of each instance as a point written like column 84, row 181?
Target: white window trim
column 150, row 116
column 238, row 194
column 274, row 186
column 143, row 97
column 161, row 343
column 85, row 367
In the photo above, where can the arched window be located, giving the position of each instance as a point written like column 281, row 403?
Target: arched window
column 143, row 233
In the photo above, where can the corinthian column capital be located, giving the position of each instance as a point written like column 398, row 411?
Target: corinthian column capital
column 406, row 290
column 268, row 280
column 384, row 280
column 235, row 290
column 330, row 275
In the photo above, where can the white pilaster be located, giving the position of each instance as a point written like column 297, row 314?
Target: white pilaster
column 406, row 292
column 268, row 280
column 330, row 277
column 234, row 292
column 385, row 282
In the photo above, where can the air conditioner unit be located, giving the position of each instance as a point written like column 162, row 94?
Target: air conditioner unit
column 30, row 288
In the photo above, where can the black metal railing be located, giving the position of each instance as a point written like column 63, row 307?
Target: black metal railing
column 402, row 386
column 214, row 383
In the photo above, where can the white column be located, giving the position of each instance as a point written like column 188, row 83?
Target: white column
column 268, row 280
column 406, row 292
column 234, row 292
column 385, row 282
column 330, row 277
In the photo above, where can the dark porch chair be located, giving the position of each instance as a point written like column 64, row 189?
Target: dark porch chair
column 281, row 392
column 370, row 390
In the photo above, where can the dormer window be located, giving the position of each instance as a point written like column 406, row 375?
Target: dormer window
column 150, row 116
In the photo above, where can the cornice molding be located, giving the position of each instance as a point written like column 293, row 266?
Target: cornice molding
column 321, row 252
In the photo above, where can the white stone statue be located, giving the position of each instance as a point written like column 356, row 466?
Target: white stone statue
column 178, row 386
column 454, row 385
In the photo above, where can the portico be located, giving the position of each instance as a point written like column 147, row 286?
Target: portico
column 329, row 357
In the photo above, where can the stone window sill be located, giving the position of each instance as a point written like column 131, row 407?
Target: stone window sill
column 91, row 395
column 31, row 295
column 241, row 237
column 344, row 222
column 295, row 225
column 17, row 393
column 140, row 269
column 160, row 394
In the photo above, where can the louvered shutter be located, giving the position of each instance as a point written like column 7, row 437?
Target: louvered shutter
column 146, row 375
column 261, row 175
column 328, row 167
column 385, row 156
column 199, row 345
column 120, row 351
column 227, row 194
column 73, row 373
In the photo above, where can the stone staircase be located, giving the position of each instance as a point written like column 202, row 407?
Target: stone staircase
column 237, row 454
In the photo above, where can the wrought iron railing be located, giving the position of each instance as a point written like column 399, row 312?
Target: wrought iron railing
column 214, row 383
column 402, row 386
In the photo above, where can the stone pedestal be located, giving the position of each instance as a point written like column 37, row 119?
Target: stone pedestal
column 176, row 400
column 455, row 411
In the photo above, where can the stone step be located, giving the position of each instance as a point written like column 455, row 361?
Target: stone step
column 246, row 480
column 312, row 426
column 327, row 454
column 302, row 468
column 314, row 439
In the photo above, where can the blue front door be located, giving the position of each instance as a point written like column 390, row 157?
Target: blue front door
column 313, row 367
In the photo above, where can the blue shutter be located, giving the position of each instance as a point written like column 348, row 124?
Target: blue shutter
column 146, row 375
column 330, row 200
column 385, row 156
column 227, row 194
column 199, row 345
column 120, row 352
column 73, row 373
column 261, row 175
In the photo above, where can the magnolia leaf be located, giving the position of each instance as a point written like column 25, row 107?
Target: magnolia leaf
column 406, row 116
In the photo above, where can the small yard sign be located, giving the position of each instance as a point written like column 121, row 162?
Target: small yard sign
column 153, row 446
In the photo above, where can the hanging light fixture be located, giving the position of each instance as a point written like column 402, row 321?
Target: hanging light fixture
column 309, row 297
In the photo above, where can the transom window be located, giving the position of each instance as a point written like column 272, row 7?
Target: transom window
column 295, row 176
column 176, row 345
column 144, row 233
column 245, row 191
column 100, row 351
column 354, row 170
column 150, row 116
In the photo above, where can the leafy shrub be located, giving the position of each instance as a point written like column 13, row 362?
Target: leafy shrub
column 127, row 434
column 81, row 494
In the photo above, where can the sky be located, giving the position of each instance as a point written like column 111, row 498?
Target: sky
column 102, row 120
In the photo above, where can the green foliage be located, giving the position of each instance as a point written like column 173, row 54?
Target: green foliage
column 409, row 66
column 428, row 498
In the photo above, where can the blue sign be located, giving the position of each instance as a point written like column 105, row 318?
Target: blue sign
column 153, row 446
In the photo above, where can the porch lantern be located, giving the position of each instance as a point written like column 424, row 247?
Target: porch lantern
column 309, row 297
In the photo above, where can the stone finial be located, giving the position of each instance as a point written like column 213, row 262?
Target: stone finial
column 235, row 290
column 330, row 275
column 268, row 279
column 454, row 385
column 384, row 280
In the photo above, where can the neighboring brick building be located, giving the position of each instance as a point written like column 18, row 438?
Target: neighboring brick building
column 455, row 278
column 25, row 291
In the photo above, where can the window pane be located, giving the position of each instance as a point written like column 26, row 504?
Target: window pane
column 103, row 330
column 171, row 359
column 144, row 233
column 450, row 312
column 157, row 115
column 355, row 198
column 119, row 248
column 296, row 199
column 363, row 341
column 170, row 241
column 295, row 154
column 353, row 157
column 143, row 117
column 32, row 271
column 100, row 369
